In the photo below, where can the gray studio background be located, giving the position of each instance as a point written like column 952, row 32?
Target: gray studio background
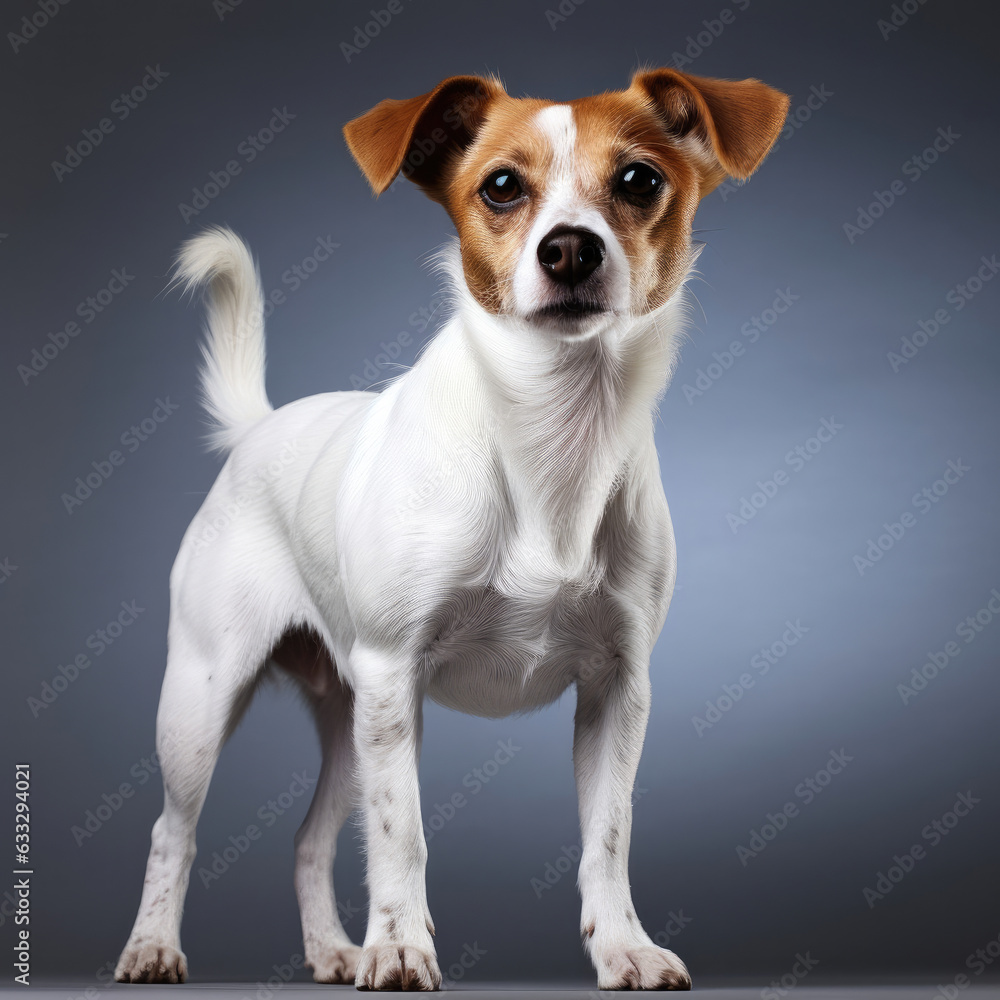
column 877, row 102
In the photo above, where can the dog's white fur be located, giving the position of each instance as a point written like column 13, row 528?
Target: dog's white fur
column 488, row 530
column 563, row 206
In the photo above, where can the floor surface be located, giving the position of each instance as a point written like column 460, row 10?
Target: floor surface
column 72, row 990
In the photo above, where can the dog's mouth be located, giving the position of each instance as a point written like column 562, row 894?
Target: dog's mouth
column 569, row 311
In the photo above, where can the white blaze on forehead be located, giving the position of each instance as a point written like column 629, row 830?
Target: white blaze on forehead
column 556, row 122
column 563, row 203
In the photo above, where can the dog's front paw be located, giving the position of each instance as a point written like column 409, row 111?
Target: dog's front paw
column 334, row 964
column 397, row 967
column 640, row 967
column 151, row 963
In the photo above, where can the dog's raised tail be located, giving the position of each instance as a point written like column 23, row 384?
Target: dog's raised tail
column 232, row 374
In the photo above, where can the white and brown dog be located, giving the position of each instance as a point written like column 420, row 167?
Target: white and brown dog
column 488, row 530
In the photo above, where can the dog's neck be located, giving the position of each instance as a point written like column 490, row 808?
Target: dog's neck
column 571, row 418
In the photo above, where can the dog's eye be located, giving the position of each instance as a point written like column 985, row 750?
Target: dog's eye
column 639, row 180
column 501, row 188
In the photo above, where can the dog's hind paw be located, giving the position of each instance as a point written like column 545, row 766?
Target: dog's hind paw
column 397, row 967
column 151, row 963
column 335, row 964
column 646, row 967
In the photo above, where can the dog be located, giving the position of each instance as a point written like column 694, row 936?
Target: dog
column 486, row 531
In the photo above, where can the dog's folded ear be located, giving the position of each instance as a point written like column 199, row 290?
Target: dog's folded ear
column 734, row 122
column 420, row 136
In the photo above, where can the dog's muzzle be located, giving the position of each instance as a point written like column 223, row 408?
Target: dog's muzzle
column 573, row 261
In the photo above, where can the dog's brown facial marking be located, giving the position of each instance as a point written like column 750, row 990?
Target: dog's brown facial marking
column 494, row 224
column 603, row 165
column 568, row 214
column 644, row 184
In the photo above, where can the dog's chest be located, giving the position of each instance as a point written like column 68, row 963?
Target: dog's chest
column 529, row 617
column 494, row 653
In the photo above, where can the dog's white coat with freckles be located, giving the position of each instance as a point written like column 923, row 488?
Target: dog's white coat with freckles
column 487, row 531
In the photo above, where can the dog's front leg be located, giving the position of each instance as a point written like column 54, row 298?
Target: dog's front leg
column 611, row 713
column 398, row 951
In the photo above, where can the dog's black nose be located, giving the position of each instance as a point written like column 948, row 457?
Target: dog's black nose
column 571, row 255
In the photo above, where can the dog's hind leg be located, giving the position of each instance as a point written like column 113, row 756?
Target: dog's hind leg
column 209, row 681
column 328, row 950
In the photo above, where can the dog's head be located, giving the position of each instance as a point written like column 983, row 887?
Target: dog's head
column 572, row 214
